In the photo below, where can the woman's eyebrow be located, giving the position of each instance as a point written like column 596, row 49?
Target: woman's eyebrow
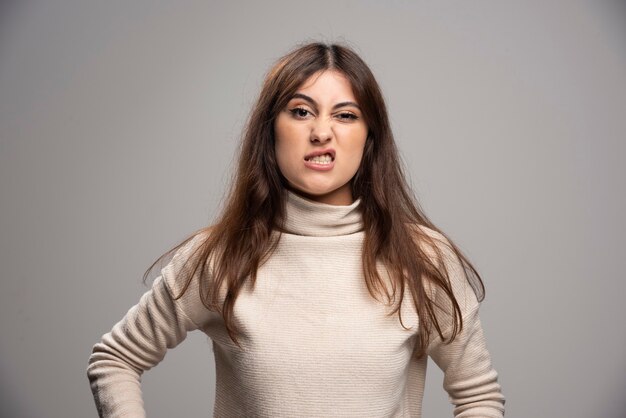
column 314, row 103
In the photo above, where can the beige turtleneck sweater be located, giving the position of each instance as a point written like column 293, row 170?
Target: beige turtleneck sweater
column 315, row 343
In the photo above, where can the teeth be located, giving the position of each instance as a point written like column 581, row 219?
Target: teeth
column 321, row 159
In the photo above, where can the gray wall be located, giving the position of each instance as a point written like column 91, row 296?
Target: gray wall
column 119, row 122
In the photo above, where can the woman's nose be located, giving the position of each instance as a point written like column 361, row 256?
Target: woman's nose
column 321, row 131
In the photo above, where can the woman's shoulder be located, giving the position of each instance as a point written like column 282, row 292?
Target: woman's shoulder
column 185, row 257
column 431, row 241
column 461, row 277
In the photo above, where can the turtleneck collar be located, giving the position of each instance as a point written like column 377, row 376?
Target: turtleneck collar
column 308, row 217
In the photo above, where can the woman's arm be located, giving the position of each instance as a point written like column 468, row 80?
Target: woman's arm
column 136, row 343
column 469, row 377
column 139, row 341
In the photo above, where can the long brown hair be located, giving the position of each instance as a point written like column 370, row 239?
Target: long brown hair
column 241, row 239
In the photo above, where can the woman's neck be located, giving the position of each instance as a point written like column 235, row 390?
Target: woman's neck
column 308, row 217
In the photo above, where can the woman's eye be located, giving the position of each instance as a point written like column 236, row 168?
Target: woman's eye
column 348, row 116
column 299, row 112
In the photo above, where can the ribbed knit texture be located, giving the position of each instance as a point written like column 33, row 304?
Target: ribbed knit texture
column 314, row 342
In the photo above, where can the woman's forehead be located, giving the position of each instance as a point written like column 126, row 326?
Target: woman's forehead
column 327, row 85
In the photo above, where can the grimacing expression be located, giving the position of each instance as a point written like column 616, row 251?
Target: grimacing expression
column 322, row 115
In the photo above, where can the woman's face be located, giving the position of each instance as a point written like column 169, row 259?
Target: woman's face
column 322, row 117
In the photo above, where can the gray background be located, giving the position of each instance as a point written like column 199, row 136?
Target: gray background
column 119, row 122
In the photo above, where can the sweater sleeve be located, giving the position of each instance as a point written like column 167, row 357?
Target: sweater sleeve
column 469, row 378
column 139, row 341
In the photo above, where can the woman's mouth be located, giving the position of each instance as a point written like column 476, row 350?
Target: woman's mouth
column 320, row 162
column 321, row 159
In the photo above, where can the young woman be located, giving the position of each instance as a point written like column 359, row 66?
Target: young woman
column 322, row 285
